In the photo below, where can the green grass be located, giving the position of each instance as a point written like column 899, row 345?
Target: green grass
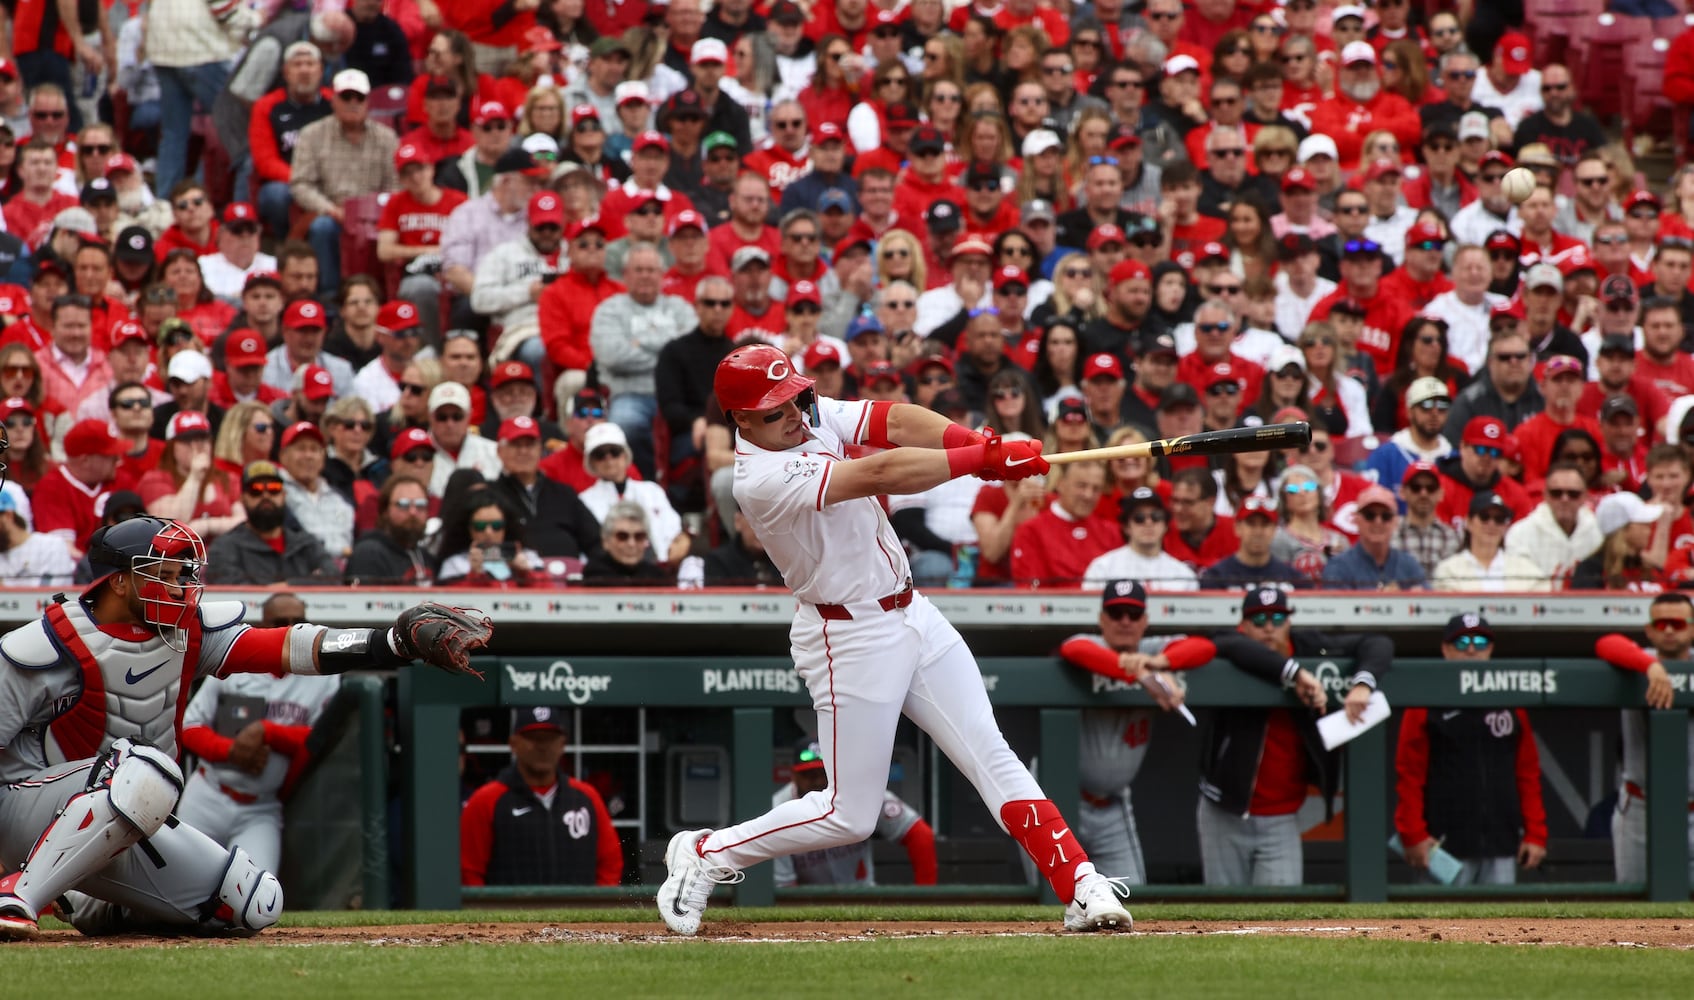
column 1026, row 968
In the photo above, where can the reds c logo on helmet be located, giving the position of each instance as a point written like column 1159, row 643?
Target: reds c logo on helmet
column 757, row 377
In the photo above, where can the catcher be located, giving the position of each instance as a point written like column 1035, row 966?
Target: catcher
column 91, row 704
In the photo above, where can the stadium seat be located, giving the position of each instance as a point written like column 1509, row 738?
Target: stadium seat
column 1643, row 106
column 1551, row 23
column 1596, row 59
column 388, row 106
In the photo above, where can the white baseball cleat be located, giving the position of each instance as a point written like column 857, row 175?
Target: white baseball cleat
column 682, row 899
column 17, row 919
column 1095, row 906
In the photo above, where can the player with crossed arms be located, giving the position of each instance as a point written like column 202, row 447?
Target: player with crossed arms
column 92, row 697
column 868, row 646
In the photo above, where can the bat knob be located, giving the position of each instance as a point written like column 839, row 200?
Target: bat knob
column 1300, row 434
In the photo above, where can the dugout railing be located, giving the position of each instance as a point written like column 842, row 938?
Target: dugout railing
column 430, row 704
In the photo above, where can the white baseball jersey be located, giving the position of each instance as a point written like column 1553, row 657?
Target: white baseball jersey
column 295, row 700
column 782, row 493
column 848, row 864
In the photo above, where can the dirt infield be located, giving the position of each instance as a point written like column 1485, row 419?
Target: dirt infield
column 1631, row 933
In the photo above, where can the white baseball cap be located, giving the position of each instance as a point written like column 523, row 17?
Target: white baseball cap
column 708, row 50
column 1619, row 509
column 1473, row 125
column 450, row 394
column 1181, row 64
column 189, row 366
column 1544, row 275
column 601, row 435
column 1317, row 144
column 1358, row 52
column 1345, row 11
column 540, row 142
column 351, row 79
column 1426, row 388
column 1283, row 355
column 632, row 90
column 1039, row 141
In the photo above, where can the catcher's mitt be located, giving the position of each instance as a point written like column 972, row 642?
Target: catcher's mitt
column 442, row 636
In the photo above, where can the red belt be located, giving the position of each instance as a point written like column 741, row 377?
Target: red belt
column 1099, row 801
column 1635, row 792
column 839, row 612
column 235, row 795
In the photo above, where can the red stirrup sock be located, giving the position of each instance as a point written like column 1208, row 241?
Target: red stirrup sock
column 1037, row 826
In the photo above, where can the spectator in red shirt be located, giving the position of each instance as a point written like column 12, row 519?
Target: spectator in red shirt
column 1214, row 331
column 72, row 369
column 440, row 137
column 1561, row 379
column 567, row 306
column 755, row 311
column 1198, row 535
column 749, row 205
column 924, row 181
column 274, row 126
column 1361, row 106
column 29, row 213
column 409, row 232
column 1623, row 459
column 243, row 377
column 66, row 500
column 1475, row 468
column 689, row 247
column 1053, row 548
column 195, row 225
column 788, row 157
column 1665, row 363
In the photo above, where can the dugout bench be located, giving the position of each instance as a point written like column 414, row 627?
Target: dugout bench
column 430, row 703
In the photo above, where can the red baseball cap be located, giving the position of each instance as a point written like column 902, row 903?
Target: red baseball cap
column 314, row 382
column 517, row 428
column 8, row 69
column 1420, row 469
column 824, row 132
column 1576, row 259
column 397, row 315
column 1559, row 364
column 270, row 278
column 581, row 226
column 1424, row 232
column 128, row 330
column 92, row 437
column 1129, row 270
column 410, row 439
column 510, row 371
column 240, row 211
column 1102, row 235
column 490, row 111
column 1220, row 373
column 1512, row 307
column 1010, row 275
column 119, row 162
column 650, row 140
column 1102, row 364
column 17, row 404
column 300, row 429
column 583, row 112
column 1513, row 50
column 539, row 39
column 687, row 219
column 1382, row 167
column 1299, row 179
column 1484, row 431
column 303, row 313
column 244, row 349
column 546, row 208
column 407, row 155
column 922, row 361
column 820, row 352
column 1496, row 156
column 1643, row 197
column 186, row 422
column 804, row 291
column 1212, row 250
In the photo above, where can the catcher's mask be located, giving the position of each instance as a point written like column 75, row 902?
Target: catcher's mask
column 165, row 561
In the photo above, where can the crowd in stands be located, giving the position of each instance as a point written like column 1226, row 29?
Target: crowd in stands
column 407, row 291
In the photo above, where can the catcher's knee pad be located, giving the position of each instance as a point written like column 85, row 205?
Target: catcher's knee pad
column 145, row 784
column 248, row 899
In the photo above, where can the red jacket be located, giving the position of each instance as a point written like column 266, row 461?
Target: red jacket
column 724, row 241
column 1679, row 69
column 779, row 167
column 1649, row 400
column 1348, row 122
column 1053, row 550
column 1220, row 543
column 831, row 105
column 1385, row 317
column 565, row 311
column 1399, row 284
column 1416, row 190
column 1455, row 499
column 621, row 200
column 913, row 195
column 1536, row 435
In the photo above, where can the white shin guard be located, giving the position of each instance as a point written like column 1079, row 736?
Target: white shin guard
column 130, row 795
column 249, row 898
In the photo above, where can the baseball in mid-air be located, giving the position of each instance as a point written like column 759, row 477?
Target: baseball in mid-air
column 1518, row 184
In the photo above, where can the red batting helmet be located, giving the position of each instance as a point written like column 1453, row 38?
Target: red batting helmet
column 757, row 377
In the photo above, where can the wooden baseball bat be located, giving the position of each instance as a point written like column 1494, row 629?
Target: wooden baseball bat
column 1270, row 437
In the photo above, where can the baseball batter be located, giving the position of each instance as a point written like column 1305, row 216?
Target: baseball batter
column 92, row 697
column 1669, row 637
column 868, row 646
column 1114, row 741
column 851, row 864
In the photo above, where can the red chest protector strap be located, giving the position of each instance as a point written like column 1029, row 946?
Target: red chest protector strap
column 82, row 729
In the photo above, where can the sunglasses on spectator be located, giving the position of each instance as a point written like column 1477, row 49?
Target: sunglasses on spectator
column 1228, row 152
column 1011, row 392
column 590, row 412
column 134, row 403
column 1374, row 514
column 1351, row 209
column 1469, row 642
column 51, row 116
column 185, row 204
column 712, row 304
column 1495, row 518
column 900, row 253
column 1643, row 213
column 1223, row 389
column 1502, row 255
column 1554, row 88
column 411, row 503
column 587, row 125
column 96, row 149
column 1593, row 181
column 1317, row 446
column 1511, row 357
column 361, row 425
column 601, row 454
column 630, row 536
column 1224, row 290
column 1486, row 450
column 488, row 525
column 1564, row 494
column 1102, row 161
column 1460, row 74
column 1211, row 327
column 1148, row 517
column 449, row 416
column 1491, row 178
column 268, row 488
column 1078, row 272
column 413, row 389
column 1264, row 618
column 20, row 420
column 1421, row 486
column 1430, row 405
column 418, row 455
column 1308, row 486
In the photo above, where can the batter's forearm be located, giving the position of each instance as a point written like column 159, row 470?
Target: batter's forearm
column 912, row 426
column 900, row 472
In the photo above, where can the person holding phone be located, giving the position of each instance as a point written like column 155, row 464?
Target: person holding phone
column 487, row 548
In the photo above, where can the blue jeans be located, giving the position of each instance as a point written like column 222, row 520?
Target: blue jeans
column 533, row 352
column 181, row 89
column 634, row 413
column 325, row 237
column 274, row 203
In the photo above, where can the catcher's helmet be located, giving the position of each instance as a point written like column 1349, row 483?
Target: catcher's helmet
column 757, row 377
column 141, row 547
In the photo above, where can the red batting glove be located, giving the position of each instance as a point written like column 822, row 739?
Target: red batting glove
column 1004, row 459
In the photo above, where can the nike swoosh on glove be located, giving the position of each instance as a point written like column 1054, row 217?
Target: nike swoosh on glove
column 1013, row 460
